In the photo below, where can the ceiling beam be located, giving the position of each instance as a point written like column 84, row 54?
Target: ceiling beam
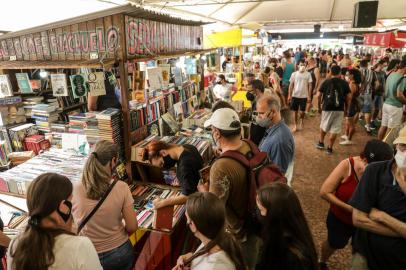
column 332, row 8
column 247, row 12
column 220, row 8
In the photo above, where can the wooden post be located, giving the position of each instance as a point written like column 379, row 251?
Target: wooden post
column 122, row 55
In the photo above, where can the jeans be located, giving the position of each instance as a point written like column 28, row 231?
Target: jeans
column 120, row 258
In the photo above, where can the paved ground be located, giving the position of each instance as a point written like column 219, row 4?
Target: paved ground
column 312, row 166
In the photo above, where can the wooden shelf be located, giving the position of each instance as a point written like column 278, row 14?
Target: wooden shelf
column 75, row 106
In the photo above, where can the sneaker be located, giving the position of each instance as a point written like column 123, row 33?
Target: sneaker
column 346, row 142
column 344, row 137
column 372, row 126
column 329, row 151
column 323, row 266
column 368, row 128
column 320, row 145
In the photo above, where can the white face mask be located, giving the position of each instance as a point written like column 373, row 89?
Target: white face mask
column 400, row 159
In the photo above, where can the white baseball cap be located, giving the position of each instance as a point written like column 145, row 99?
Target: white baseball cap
column 224, row 119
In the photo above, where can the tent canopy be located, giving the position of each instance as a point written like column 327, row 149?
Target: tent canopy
column 273, row 13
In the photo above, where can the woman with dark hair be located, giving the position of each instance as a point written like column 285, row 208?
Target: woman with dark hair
column 219, row 250
column 353, row 77
column 338, row 188
column 392, row 67
column 47, row 242
column 188, row 162
column 287, row 240
column 106, row 228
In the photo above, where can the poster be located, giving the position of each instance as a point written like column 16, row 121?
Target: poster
column 191, row 67
column 23, row 82
column 155, row 79
column 59, row 86
column 166, row 73
column 95, row 81
column 79, row 87
column 5, row 86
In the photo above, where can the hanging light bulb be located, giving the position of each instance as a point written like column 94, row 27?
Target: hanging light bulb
column 43, row 74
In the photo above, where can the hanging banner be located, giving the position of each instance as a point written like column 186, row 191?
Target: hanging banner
column 388, row 39
column 95, row 81
column 59, row 85
column 79, row 87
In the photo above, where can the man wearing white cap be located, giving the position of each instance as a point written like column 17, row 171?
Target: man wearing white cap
column 379, row 211
column 228, row 179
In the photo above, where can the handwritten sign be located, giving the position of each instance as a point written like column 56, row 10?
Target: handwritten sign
column 95, row 81
column 79, row 87
column 59, row 86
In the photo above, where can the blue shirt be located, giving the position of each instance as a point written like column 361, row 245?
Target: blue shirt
column 279, row 144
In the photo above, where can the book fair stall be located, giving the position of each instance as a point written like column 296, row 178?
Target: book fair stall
column 47, row 75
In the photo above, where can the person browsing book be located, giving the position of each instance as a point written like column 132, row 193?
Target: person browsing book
column 105, row 227
column 47, row 242
column 218, row 250
column 188, row 162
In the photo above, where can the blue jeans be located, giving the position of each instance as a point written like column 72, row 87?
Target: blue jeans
column 120, row 258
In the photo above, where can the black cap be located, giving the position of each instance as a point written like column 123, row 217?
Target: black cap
column 376, row 150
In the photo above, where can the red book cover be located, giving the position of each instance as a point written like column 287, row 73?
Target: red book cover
column 163, row 218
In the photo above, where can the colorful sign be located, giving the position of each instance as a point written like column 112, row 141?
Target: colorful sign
column 388, row 39
column 79, row 87
column 95, row 81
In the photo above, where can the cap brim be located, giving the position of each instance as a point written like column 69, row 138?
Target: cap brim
column 400, row 140
column 207, row 123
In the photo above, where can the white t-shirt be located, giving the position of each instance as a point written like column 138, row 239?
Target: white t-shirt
column 301, row 84
column 222, row 92
column 214, row 261
column 71, row 253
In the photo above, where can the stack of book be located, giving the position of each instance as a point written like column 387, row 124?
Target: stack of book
column 67, row 163
column 202, row 145
column 79, row 122
column 196, row 119
column 29, row 102
column 18, row 158
column 44, row 114
column 143, row 203
column 109, row 124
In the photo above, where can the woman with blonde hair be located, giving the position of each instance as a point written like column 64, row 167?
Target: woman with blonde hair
column 105, row 227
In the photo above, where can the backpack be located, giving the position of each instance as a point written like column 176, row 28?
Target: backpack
column 332, row 99
column 260, row 171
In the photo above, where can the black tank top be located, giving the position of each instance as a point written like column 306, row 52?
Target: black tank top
column 110, row 99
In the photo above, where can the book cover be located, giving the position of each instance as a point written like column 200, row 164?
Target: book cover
column 5, row 86
column 79, row 86
column 96, row 85
column 59, row 85
column 163, row 218
column 23, row 82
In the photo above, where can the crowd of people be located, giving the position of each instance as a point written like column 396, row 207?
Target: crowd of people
column 242, row 222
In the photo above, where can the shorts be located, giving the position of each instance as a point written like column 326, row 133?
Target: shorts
column 366, row 103
column 285, row 89
column 352, row 111
column 297, row 103
column 391, row 116
column 378, row 102
column 332, row 121
column 338, row 233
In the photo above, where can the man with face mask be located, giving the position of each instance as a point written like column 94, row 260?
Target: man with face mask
column 278, row 140
column 299, row 94
column 228, row 179
column 379, row 212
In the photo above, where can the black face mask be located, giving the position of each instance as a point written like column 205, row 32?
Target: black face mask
column 64, row 216
column 250, row 96
column 168, row 162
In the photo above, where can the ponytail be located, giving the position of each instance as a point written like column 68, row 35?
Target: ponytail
column 228, row 244
column 35, row 248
